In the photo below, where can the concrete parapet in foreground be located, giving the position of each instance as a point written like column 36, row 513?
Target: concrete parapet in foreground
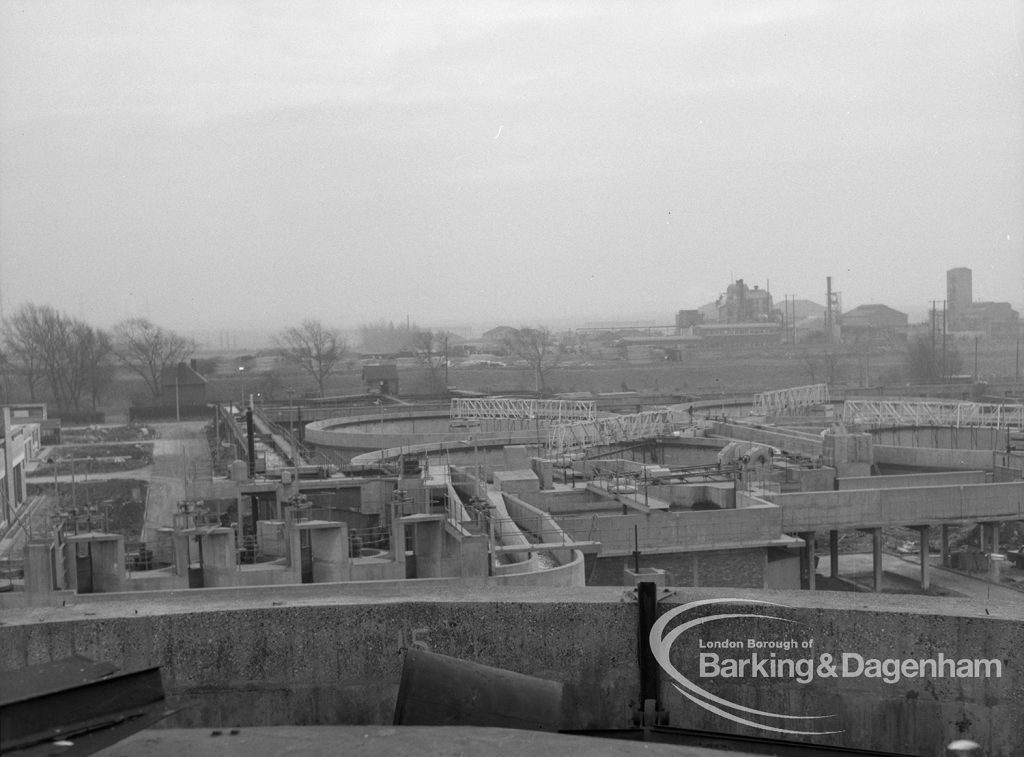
column 333, row 654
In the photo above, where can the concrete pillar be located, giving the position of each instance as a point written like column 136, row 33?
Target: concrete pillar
column 876, row 557
column 945, row 545
column 808, row 555
column 924, row 533
column 108, row 563
column 833, row 552
column 329, row 545
column 38, row 568
column 995, row 564
column 429, row 548
column 981, row 537
column 10, row 500
column 181, row 555
column 397, row 533
column 994, row 536
column 218, row 548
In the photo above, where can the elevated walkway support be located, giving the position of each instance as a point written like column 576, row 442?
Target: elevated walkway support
column 887, row 412
column 792, row 401
column 572, row 437
column 505, row 408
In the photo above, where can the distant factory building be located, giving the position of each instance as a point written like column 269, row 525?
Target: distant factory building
column 741, row 304
column 686, row 319
column 738, row 335
column 873, row 323
column 958, row 289
column 997, row 320
column 495, row 340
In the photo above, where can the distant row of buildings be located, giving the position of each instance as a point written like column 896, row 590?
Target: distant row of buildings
column 993, row 319
column 748, row 317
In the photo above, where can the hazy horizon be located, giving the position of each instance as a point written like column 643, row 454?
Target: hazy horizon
column 221, row 165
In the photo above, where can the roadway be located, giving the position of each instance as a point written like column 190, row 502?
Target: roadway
column 900, row 574
column 181, row 469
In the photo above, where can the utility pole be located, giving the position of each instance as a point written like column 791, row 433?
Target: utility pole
column 945, row 372
column 791, row 320
column 1016, row 370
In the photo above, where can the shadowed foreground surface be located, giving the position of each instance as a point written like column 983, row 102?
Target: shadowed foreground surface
column 382, row 741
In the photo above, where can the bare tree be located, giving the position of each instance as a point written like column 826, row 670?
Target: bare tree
column 927, row 362
column 431, row 351
column 314, row 348
column 91, row 359
column 20, row 332
column 69, row 354
column 828, row 366
column 539, row 347
column 6, row 372
column 147, row 349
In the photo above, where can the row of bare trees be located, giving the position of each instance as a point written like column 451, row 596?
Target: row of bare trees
column 319, row 351
column 48, row 354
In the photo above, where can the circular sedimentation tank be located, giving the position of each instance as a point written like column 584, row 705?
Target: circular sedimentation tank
column 408, row 429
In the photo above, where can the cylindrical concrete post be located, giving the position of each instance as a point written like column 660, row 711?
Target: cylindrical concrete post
column 876, row 557
column 833, row 552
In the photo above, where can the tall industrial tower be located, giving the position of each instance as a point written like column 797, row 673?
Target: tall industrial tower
column 833, row 312
column 959, row 294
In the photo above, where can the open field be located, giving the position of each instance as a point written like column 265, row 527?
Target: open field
column 700, row 374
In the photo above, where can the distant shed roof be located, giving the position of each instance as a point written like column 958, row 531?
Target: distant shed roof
column 383, row 372
column 181, row 375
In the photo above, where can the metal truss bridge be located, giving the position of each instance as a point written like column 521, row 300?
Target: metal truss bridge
column 793, row 401
column 506, row 409
column 572, row 437
column 880, row 412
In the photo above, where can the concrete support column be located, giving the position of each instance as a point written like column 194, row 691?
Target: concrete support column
column 994, row 535
column 925, row 534
column 981, row 537
column 39, row 577
column 876, row 557
column 833, row 552
column 808, row 555
column 944, row 549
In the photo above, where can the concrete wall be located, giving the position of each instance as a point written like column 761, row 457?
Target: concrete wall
column 677, row 531
column 742, row 568
column 926, row 457
column 812, row 511
column 686, row 495
column 975, row 438
column 254, row 662
column 805, row 444
column 567, row 575
column 540, row 524
column 912, row 479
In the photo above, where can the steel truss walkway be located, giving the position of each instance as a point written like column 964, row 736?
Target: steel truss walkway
column 791, row 401
column 571, row 437
column 502, row 408
column 878, row 412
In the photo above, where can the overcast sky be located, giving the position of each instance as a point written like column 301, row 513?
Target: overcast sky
column 521, row 163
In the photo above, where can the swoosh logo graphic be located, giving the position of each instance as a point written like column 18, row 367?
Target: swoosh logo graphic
column 661, row 645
